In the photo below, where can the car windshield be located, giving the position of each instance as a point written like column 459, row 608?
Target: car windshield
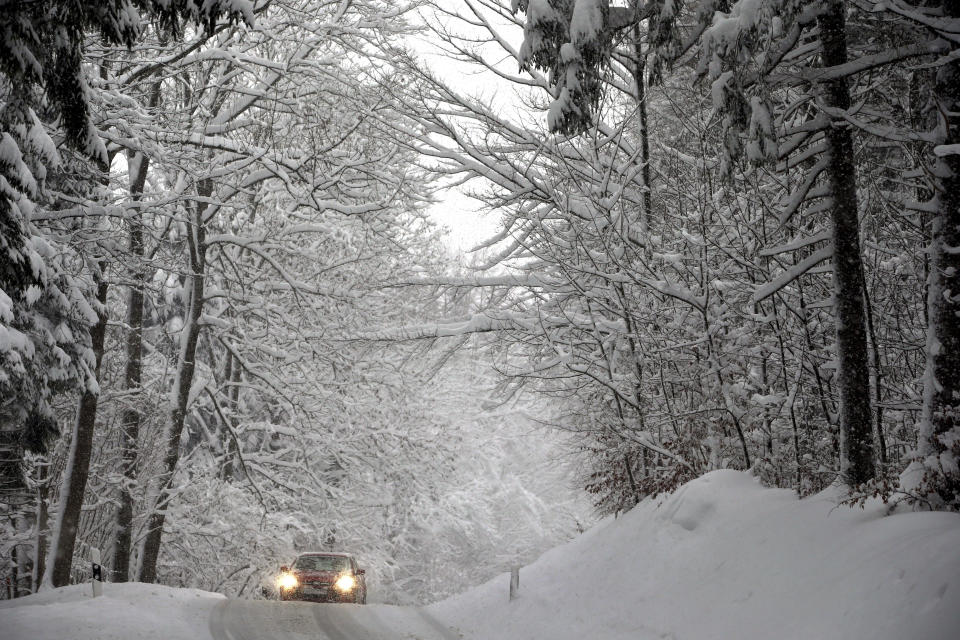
column 322, row 563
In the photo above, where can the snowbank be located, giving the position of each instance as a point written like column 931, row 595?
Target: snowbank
column 124, row 612
column 726, row 558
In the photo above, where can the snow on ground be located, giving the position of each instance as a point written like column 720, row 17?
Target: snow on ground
column 726, row 558
column 721, row 558
column 124, row 612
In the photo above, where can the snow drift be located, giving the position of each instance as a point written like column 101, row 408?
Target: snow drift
column 131, row 611
column 724, row 557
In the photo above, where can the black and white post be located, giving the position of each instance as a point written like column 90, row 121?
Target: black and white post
column 96, row 572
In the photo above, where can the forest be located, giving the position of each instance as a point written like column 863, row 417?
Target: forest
column 231, row 329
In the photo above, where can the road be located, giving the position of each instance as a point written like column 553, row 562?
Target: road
column 273, row 620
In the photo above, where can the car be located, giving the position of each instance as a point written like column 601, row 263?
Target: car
column 322, row 576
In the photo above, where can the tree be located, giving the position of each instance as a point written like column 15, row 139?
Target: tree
column 263, row 216
column 572, row 40
column 34, row 60
column 933, row 479
column 738, row 219
column 245, row 156
column 42, row 47
column 726, row 50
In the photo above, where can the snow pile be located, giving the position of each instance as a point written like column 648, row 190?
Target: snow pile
column 124, row 612
column 726, row 558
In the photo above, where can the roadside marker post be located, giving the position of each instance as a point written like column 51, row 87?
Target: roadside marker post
column 514, row 582
column 96, row 574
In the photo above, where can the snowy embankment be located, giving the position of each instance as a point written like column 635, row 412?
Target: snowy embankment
column 132, row 611
column 725, row 558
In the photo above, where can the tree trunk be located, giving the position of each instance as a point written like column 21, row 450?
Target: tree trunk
column 40, row 545
column 130, row 419
column 228, row 422
column 14, row 573
column 940, row 421
column 180, row 393
column 638, row 79
column 78, row 460
column 877, row 378
column 856, row 429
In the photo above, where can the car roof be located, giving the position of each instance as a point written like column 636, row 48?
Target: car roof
column 325, row 553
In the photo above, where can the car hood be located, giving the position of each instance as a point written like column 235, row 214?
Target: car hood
column 327, row 576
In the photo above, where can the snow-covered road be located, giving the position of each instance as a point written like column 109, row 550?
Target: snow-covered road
column 137, row 611
column 259, row 619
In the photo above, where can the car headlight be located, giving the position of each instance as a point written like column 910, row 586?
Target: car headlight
column 287, row 581
column 345, row 583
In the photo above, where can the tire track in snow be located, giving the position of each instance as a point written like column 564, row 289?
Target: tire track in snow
column 446, row 633
column 340, row 624
column 218, row 627
column 258, row 620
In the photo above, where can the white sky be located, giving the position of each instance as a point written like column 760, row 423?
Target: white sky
column 468, row 221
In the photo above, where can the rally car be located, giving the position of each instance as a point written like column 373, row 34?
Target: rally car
column 323, row 577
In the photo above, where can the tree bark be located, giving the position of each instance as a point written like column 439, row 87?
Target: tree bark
column 130, row 419
column 228, row 471
column 638, row 80
column 180, row 394
column 14, row 573
column 877, row 377
column 856, row 430
column 40, row 545
column 78, row 460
